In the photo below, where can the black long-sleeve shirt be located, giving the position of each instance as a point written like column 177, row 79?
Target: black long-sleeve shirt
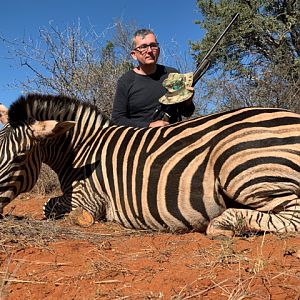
column 137, row 97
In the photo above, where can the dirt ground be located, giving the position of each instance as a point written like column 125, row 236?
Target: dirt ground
column 57, row 260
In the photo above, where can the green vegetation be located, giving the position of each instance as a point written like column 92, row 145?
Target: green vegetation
column 258, row 62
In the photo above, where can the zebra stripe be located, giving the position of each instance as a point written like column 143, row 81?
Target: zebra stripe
column 206, row 174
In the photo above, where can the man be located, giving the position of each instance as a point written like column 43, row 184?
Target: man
column 138, row 91
column 3, row 114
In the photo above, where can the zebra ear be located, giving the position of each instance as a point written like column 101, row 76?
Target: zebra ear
column 51, row 128
column 62, row 127
column 3, row 114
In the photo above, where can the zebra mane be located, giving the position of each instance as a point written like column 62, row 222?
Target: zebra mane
column 27, row 109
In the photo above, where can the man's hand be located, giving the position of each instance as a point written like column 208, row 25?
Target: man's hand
column 189, row 101
column 158, row 123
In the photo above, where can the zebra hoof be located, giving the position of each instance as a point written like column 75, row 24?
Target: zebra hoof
column 216, row 231
column 81, row 217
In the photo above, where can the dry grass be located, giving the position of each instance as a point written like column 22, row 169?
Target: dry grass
column 19, row 232
column 233, row 269
column 47, row 183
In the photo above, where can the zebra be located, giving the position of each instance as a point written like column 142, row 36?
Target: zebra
column 222, row 173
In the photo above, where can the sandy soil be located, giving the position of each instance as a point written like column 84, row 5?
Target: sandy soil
column 57, row 260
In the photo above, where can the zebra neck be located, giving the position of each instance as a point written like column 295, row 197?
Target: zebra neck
column 73, row 155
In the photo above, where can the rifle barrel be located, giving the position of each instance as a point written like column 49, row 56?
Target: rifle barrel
column 201, row 69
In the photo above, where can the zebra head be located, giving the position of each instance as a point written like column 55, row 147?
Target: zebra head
column 21, row 148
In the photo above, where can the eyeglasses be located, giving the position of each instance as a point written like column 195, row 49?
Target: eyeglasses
column 144, row 47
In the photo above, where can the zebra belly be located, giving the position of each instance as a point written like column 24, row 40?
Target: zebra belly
column 159, row 215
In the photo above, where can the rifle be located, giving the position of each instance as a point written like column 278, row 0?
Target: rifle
column 204, row 64
column 165, row 112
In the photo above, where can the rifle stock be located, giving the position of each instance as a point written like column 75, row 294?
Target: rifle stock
column 204, row 64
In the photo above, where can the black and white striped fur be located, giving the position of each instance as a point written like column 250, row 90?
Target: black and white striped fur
column 211, row 173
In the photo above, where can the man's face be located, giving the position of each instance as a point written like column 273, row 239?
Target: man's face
column 146, row 55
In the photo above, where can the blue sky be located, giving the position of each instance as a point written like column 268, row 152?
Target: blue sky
column 170, row 19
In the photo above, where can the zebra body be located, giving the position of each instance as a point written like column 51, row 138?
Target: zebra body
column 206, row 174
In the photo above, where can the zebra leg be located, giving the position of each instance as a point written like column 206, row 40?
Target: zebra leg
column 81, row 217
column 237, row 221
column 57, row 207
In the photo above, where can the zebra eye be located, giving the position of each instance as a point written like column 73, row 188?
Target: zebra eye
column 20, row 158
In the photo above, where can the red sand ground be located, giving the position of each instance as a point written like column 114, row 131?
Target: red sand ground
column 115, row 263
